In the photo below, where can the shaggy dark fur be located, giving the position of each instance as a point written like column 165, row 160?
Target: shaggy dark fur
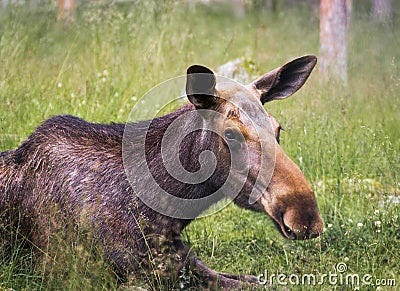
column 77, row 167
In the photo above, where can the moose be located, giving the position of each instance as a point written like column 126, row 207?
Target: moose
column 92, row 176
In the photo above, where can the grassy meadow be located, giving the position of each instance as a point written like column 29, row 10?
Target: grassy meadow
column 346, row 139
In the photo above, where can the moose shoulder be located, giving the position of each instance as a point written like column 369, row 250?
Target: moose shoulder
column 227, row 148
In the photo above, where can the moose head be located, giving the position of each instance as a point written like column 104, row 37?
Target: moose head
column 261, row 176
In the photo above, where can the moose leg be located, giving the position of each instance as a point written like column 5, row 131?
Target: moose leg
column 209, row 277
column 220, row 280
column 245, row 278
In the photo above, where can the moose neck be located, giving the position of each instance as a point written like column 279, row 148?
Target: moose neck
column 159, row 180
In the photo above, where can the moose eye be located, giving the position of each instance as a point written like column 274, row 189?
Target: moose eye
column 230, row 134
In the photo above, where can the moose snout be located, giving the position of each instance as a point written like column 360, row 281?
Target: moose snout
column 297, row 220
column 301, row 223
column 290, row 201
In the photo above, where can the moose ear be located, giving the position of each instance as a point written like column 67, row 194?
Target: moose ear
column 200, row 87
column 286, row 80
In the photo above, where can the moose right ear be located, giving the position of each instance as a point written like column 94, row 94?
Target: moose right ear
column 286, row 80
column 200, row 87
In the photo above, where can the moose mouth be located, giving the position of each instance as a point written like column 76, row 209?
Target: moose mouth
column 295, row 234
column 279, row 222
column 284, row 229
column 305, row 225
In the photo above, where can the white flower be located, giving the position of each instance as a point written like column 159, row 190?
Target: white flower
column 359, row 224
column 330, row 225
column 59, row 85
column 378, row 223
column 105, row 73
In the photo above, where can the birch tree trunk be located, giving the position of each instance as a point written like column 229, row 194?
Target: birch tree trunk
column 382, row 10
column 65, row 9
column 334, row 18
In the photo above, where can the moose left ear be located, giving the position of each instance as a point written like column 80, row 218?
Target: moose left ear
column 286, row 80
column 200, row 87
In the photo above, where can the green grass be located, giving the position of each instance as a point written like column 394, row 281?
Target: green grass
column 345, row 139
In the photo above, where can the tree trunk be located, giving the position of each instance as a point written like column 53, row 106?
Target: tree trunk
column 65, row 9
column 334, row 18
column 382, row 10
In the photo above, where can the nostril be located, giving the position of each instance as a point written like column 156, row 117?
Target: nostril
column 301, row 224
column 288, row 232
column 287, row 229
